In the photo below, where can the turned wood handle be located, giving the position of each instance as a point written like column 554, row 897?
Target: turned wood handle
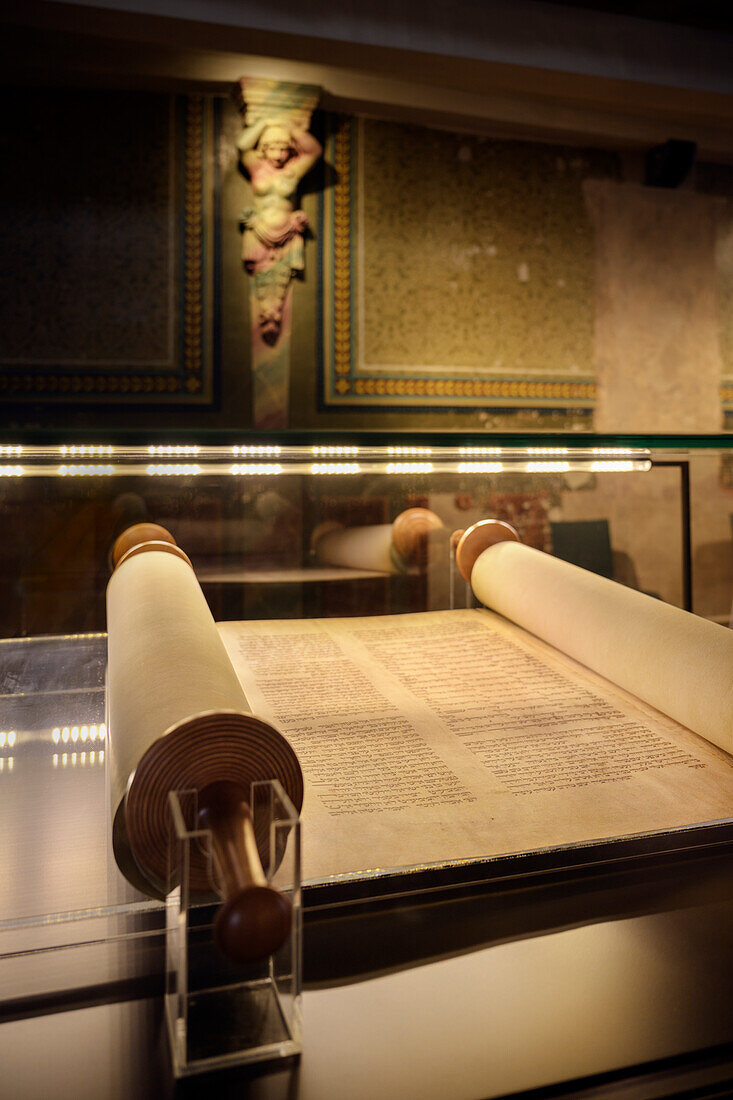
column 138, row 535
column 255, row 919
column 472, row 542
column 411, row 531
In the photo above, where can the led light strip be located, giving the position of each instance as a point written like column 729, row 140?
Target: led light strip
column 256, row 468
column 78, row 733
column 72, row 758
column 335, row 468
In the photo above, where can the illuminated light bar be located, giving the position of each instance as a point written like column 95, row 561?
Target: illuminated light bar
column 409, row 467
column 86, row 471
column 78, row 759
column 480, row 467
column 619, row 465
column 7, row 737
column 335, row 468
column 616, row 451
column 12, row 471
column 10, row 449
column 167, row 469
column 258, row 449
column 174, row 450
column 547, row 467
column 480, row 450
column 75, row 733
column 256, row 468
column 409, row 450
column 548, row 450
column 86, row 450
column 334, row 450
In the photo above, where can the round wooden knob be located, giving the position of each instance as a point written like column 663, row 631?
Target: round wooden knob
column 410, row 532
column 478, row 538
column 138, row 534
column 255, row 919
column 253, row 924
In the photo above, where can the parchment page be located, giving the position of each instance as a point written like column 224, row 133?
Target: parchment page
column 454, row 734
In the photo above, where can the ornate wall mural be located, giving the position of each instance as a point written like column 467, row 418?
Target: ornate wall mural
column 276, row 152
column 108, row 249
column 457, row 272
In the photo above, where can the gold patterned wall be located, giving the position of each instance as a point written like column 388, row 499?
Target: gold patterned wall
column 458, row 272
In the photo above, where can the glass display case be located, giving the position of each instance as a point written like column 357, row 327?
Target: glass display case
column 253, row 515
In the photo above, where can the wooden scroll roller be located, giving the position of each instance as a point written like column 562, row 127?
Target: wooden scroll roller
column 179, row 720
column 382, row 547
column 471, row 543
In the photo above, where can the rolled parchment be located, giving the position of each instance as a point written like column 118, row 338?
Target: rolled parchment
column 674, row 660
column 177, row 715
column 382, row 547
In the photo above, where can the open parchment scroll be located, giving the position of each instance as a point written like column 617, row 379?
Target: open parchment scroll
column 596, row 712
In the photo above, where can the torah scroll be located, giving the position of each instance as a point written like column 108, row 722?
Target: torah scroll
column 178, row 717
column 677, row 662
column 382, row 547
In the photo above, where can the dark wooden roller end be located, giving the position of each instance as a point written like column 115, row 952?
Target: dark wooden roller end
column 253, row 924
column 255, row 919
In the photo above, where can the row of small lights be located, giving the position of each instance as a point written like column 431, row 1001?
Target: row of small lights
column 334, row 450
column 73, row 758
column 85, row 471
column 7, row 763
column 84, row 450
column 257, row 450
column 90, row 451
column 409, row 467
column 335, row 468
column 78, row 733
column 608, row 465
column 166, row 469
column 256, row 468
column 177, row 450
column 409, row 450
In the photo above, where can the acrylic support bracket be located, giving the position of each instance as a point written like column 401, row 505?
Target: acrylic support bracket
column 221, row 1013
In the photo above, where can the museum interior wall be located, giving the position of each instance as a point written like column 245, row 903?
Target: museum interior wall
column 451, row 280
column 480, row 283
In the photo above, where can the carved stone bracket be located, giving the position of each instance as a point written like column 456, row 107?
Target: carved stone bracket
column 276, row 152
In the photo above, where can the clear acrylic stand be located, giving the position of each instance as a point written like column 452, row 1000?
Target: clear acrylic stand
column 221, row 1013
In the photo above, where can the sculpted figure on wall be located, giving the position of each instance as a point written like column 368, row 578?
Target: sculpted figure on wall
column 276, row 151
